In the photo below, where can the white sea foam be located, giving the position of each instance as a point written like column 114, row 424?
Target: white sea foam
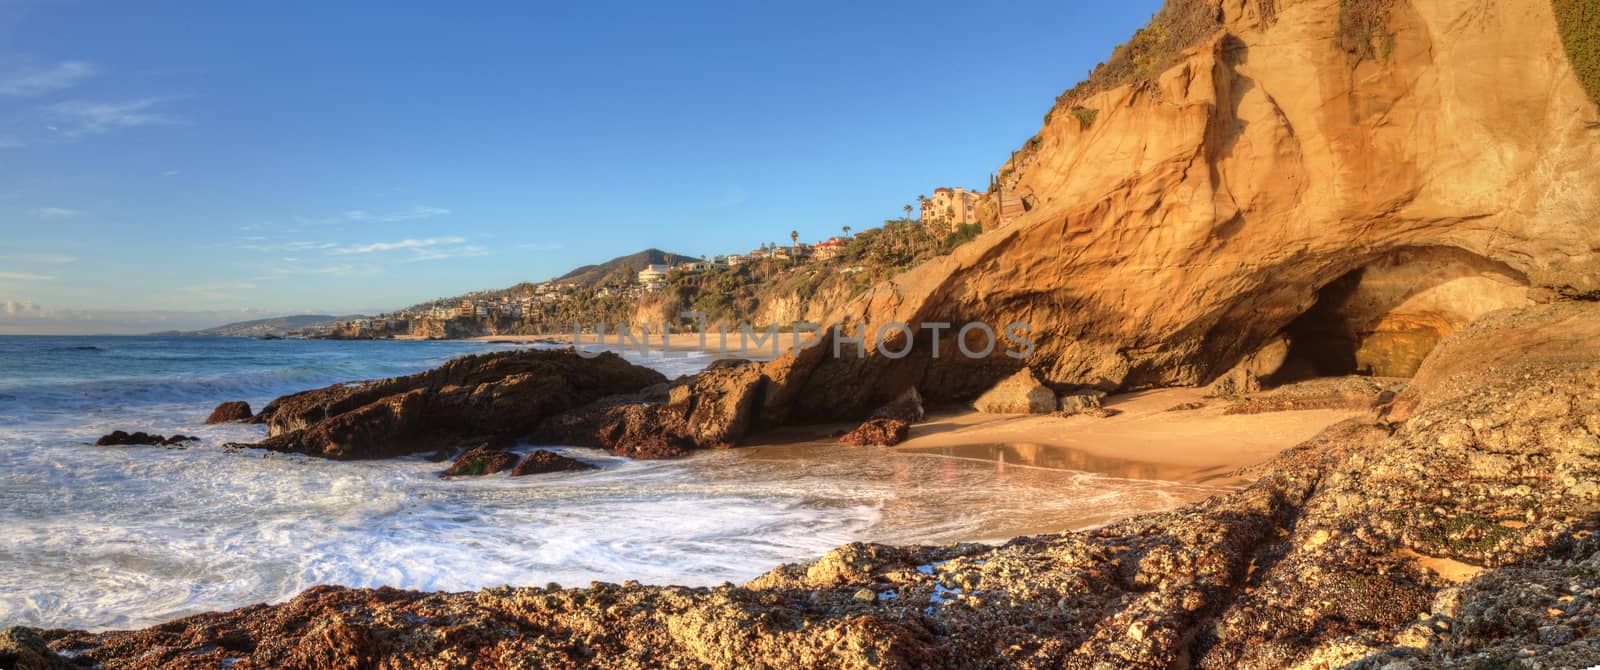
column 125, row 537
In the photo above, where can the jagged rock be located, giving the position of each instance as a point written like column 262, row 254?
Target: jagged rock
column 230, row 412
column 118, row 438
column 502, row 395
column 906, row 407
column 480, row 461
column 1021, row 393
column 542, row 461
column 23, row 649
column 877, row 433
column 1078, row 403
column 709, row 410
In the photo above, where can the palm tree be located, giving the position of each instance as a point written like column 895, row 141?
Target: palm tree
column 794, row 238
column 908, row 211
column 847, row 231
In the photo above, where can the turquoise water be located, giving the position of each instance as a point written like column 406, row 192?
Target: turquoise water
column 107, row 537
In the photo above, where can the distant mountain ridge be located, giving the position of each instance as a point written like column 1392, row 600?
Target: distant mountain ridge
column 279, row 325
column 621, row 267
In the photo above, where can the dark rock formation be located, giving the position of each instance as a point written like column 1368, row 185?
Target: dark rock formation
column 877, row 433
column 230, row 412
column 542, row 461
column 711, row 410
column 23, row 649
column 118, row 438
column 478, row 461
column 501, row 395
column 906, row 407
column 1339, row 553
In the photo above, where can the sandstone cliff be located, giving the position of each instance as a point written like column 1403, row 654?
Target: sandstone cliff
column 1279, row 180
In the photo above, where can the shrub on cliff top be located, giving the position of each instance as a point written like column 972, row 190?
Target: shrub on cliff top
column 1179, row 25
column 1579, row 23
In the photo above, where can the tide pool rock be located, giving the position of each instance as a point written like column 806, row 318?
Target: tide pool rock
column 480, row 461
column 542, row 461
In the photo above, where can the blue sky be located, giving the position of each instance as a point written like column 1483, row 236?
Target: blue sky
column 180, row 164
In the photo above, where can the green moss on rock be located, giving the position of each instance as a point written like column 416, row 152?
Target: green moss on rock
column 1579, row 23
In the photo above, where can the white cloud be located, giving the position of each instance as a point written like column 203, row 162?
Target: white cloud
column 391, row 246
column 34, row 81
column 46, row 259
column 416, row 213
column 24, row 276
column 76, row 117
column 453, row 252
column 171, row 173
column 54, row 213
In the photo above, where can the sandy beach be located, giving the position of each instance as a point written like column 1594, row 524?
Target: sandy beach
column 1144, row 439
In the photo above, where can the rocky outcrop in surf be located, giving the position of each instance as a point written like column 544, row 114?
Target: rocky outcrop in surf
column 488, row 397
column 230, row 412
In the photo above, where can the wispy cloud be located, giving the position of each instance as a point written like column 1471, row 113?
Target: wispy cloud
column 392, row 246
column 435, row 254
column 76, row 118
column 416, row 213
column 34, row 81
column 44, row 259
column 8, row 142
column 24, row 276
column 56, row 213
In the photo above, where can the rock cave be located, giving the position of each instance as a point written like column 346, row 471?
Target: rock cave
column 1385, row 316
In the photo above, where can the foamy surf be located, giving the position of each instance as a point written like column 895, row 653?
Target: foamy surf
column 127, row 537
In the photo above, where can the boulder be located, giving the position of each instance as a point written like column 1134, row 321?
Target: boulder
column 906, row 407
column 230, row 412
column 478, row 461
column 542, row 461
column 1250, row 373
column 1021, row 393
column 1078, row 403
column 500, row 396
column 877, row 433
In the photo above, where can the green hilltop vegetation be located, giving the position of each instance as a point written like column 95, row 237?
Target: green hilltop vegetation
column 727, row 292
column 1579, row 23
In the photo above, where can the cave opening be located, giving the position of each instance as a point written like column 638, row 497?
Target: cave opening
column 1383, row 318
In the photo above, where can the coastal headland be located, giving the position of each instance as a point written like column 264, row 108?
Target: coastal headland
column 1339, row 255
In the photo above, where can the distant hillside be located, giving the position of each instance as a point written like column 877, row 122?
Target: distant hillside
column 622, row 268
column 281, row 325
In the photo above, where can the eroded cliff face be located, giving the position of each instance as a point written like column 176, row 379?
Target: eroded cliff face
column 1198, row 217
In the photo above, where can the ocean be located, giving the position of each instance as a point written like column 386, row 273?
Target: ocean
column 123, row 537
